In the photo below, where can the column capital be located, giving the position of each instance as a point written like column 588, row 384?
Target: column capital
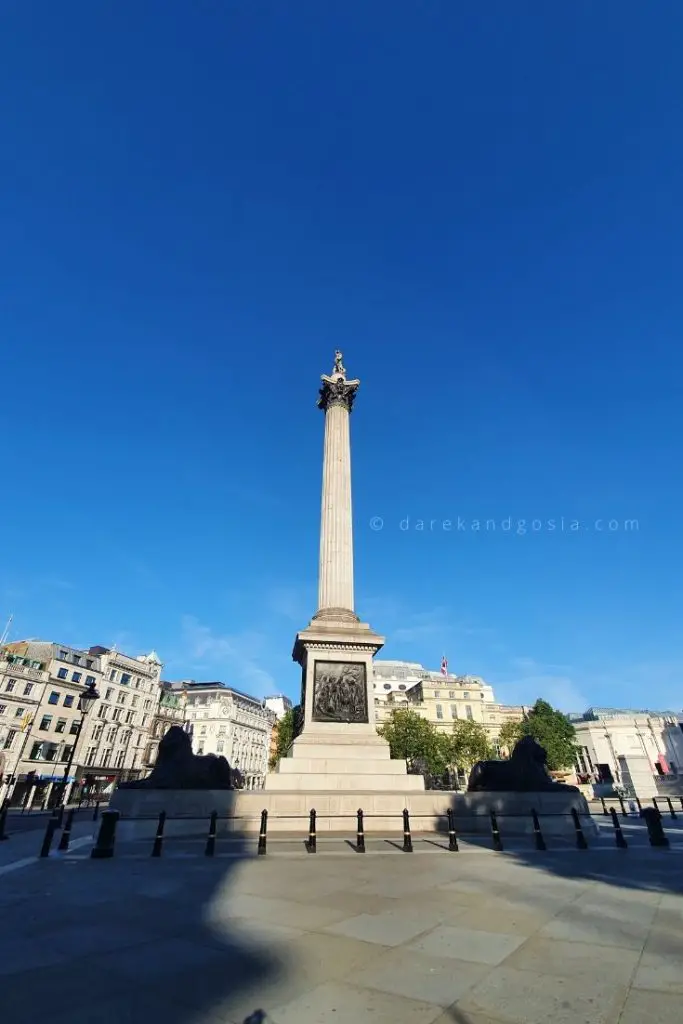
column 337, row 390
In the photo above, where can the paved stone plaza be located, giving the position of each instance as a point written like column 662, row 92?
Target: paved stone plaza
column 472, row 937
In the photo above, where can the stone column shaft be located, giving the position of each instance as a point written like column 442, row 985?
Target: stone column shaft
column 335, row 581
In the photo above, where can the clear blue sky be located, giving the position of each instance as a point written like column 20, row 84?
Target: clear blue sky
column 479, row 203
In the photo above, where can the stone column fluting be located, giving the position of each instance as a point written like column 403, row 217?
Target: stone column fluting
column 335, row 581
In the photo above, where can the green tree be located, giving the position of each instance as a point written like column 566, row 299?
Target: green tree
column 555, row 732
column 468, row 744
column 509, row 733
column 286, row 733
column 412, row 738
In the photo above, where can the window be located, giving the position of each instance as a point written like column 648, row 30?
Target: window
column 89, row 680
column 106, row 756
column 468, row 712
column 466, row 695
column 66, row 753
column 119, row 759
column 10, row 686
column 61, row 725
column 116, row 715
column 76, row 676
column 19, row 712
column 111, row 733
column 102, row 711
column 73, row 728
column 401, row 686
column 3, row 709
column 110, row 690
column 144, row 721
column 90, row 756
column 200, row 748
column 27, row 689
column 481, row 695
column 387, row 686
column 125, row 678
column 135, row 700
column 62, row 673
column 122, row 698
column 45, row 722
column 112, row 674
column 50, row 752
column 9, row 739
column 125, row 737
column 75, row 660
column 68, row 700
column 53, row 698
column 36, row 751
column 439, row 711
column 454, row 711
column 437, row 693
column 219, row 746
column 130, row 716
column 63, row 655
column 147, row 705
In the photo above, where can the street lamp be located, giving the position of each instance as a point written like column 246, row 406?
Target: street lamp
column 86, row 700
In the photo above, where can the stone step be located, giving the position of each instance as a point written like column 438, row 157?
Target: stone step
column 333, row 749
column 340, row 765
column 344, row 782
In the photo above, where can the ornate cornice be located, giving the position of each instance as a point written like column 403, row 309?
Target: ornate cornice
column 337, row 390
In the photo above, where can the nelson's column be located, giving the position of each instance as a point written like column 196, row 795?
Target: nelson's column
column 338, row 748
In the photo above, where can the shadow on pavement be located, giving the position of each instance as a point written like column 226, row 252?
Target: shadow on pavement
column 131, row 940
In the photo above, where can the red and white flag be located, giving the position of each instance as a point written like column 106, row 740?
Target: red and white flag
column 444, row 666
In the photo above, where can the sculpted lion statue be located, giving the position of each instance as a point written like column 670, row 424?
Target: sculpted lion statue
column 524, row 772
column 178, row 768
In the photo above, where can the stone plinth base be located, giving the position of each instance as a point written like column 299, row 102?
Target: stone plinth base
column 188, row 811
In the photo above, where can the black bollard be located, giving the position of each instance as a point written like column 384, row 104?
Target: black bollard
column 96, row 811
column 312, row 844
column 407, row 838
column 262, row 833
column 360, row 832
column 59, row 814
column 3, row 820
column 210, row 848
column 671, row 807
column 621, row 804
column 495, row 834
column 581, row 843
column 159, row 837
column 538, row 835
column 619, row 837
column 66, row 832
column 655, row 831
column 104, row 847
column 604, row 807
column 48, row 837
column 452, row 838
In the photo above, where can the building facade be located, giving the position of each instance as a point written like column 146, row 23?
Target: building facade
column 639, row 751
column 442, row 699
column 40, row 684
column 225, row 721
column 170, row 710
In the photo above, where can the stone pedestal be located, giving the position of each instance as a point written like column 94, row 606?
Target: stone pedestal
column 239, row 811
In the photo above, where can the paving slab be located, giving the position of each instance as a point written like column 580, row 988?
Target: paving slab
column 437, row 938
